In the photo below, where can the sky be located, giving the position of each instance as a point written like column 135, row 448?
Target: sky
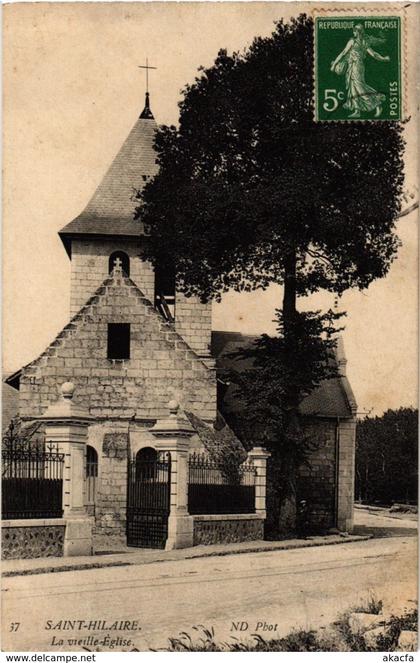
column 72, row 92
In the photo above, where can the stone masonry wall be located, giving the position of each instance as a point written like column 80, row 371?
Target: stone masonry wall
column 316, row 483
column 346, row 475
column 330, row 505
column 89, row 268
column 208, row 531
column 193, row 323
column 29, row 542
column 111, row 440
column 161, row 365
column 111, row 500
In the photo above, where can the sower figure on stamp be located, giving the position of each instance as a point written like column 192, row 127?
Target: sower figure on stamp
column 350, row 62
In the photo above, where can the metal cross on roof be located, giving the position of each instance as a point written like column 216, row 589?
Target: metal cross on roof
column 147, row 67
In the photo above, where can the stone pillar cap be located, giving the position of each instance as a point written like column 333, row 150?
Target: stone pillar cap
column 65, row 409
column 259, row 452
column 175, row 425
column 173, row 406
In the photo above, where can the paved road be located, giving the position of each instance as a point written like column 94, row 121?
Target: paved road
column 380, row 523
column 306, row 588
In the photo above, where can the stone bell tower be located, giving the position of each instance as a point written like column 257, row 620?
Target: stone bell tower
column 106, row 230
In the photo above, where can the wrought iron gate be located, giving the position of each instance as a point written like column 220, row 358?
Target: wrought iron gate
column 148, row 499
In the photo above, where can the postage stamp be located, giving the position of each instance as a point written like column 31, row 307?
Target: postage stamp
column 358, row 68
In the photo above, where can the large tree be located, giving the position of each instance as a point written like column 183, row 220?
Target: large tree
column 276, row 375
column 252, row 191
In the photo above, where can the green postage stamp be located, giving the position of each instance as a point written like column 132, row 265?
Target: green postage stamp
column 358, row 68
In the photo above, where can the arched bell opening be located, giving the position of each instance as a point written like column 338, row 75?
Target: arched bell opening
column 119, row 259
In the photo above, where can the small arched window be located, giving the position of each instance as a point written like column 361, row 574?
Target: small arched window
column 124, row 262
column 91, row 462
column 91, row 474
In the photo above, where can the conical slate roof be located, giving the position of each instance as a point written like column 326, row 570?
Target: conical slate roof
column 110, row 211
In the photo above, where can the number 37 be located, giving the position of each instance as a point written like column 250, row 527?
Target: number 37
column 331, row 99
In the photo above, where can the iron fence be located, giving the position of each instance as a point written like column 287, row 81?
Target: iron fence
column 32, row 481
column 212, row 491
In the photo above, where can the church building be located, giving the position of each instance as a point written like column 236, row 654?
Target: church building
column 134, row 343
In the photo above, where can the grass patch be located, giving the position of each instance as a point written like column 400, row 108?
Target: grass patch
column 338, row 637
column 350, row 641
column 372, row 605
column 296, row 641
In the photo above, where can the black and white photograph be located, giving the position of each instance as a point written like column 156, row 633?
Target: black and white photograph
column 210, row 328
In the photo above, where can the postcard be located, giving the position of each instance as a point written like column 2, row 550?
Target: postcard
column 210, row 328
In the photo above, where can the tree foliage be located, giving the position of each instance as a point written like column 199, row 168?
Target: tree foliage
column 278, row 369
column 386, row 457
column 248, row 177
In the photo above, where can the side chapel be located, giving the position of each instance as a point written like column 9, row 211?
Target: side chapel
column 134, row 343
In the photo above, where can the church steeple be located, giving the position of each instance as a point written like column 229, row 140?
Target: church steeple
column 110, row 211
column 146, row 113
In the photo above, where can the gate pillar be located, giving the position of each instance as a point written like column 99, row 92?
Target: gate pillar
column 258, row 456
column 173, row 435
column 66, row 427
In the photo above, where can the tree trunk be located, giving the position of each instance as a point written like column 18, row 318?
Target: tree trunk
column 287, row 518
column 289, row 295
